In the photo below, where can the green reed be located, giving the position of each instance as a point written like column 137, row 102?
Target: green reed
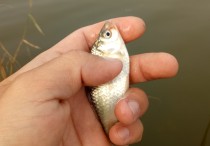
column 8, row 61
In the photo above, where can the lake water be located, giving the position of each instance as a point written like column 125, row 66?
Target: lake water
column 180, row 107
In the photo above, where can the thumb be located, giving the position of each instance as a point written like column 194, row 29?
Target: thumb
column 65, row 75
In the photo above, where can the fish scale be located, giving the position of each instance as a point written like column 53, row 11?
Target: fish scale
column 110, row 44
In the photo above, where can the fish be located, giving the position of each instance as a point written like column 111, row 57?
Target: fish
column 110, row 44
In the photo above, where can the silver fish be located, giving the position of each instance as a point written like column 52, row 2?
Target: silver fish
column 104, row 97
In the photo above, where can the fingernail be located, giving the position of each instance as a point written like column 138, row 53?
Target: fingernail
column 113, row 60
column 134, row 107
column 123, row 133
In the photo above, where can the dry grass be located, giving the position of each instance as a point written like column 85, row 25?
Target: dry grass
column 8, row 61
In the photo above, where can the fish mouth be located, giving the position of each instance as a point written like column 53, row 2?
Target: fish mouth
column 108, row 26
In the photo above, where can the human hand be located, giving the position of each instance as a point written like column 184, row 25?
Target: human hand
column 44, row 103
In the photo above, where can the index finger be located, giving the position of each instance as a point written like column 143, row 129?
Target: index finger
column 130, row 28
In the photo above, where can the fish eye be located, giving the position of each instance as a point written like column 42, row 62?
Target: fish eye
column 107, row 34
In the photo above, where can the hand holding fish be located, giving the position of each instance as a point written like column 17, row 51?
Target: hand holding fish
column 45, row 104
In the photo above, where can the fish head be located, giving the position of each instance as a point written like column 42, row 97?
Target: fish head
column 109, row 43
